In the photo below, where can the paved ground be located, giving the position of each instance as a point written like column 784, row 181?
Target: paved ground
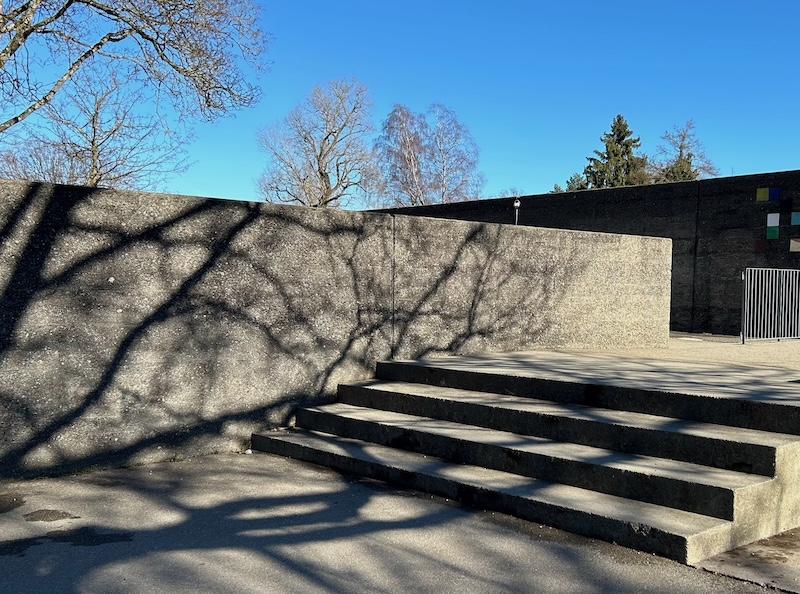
column 259, row 523
column 723, row 350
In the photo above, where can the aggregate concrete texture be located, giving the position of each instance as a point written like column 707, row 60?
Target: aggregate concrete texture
column 158, row 317
column 717, row 227
column 717, row 350
column 771, row 367
column 260, row 523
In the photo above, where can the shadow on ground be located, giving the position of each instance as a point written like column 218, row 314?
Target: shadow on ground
column 236, row 523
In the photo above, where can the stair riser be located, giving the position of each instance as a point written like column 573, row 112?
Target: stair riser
column 750, row 458
column 593, row 526
column 765, row 416
column 703, row 499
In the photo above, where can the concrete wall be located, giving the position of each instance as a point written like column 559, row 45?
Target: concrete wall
column 717, row 227
column 136, row 327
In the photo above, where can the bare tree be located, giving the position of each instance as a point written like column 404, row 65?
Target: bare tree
column 513, row 191
column 682, row 158
column 403, row 151
column 455, row 158
column 97, row 132
column 318, row 155
column 190, row 51
column 427, row 162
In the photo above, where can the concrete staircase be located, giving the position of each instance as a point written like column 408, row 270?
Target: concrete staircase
column 682, row 475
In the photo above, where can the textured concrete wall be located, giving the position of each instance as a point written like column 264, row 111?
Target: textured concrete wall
column 135, row 327
column 717, row 227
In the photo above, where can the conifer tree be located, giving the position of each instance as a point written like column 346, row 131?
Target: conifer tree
column 575, row 182
column 617, row 165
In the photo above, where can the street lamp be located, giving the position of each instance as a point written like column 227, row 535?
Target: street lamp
column 516, row 210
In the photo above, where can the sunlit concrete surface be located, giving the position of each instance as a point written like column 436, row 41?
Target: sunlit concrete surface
column 692, row 364
column 724, row 350
column 260, row 523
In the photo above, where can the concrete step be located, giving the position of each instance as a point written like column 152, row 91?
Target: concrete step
column 551, row 377
column 684, row 461
column 720, row 446
column 681, row 485
column 683, row 536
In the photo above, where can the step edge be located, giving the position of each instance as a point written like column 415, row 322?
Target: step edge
column 693, row 543
column 411, row 420
column 506, row 403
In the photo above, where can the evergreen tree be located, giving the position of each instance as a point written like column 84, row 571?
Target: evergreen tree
column 575, row 182
column 617, row 165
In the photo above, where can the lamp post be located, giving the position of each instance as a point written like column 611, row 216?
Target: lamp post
column 516, row 210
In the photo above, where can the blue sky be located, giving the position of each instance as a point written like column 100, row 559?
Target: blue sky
column 536, row 83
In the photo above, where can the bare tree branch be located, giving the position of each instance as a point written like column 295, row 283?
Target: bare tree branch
column 95, row 134
column 192, row 51
column 318, row 155
column 426, row 162
column 455, row 176
column 682, row 157
column 70, row 72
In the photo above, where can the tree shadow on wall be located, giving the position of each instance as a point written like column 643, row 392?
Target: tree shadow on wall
column 135, row 327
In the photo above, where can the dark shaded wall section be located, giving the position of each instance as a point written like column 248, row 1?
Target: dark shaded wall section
column 136, row 327
column 718, row 227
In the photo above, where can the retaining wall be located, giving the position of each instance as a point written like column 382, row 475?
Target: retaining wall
column 718, row 227
column 137, row 327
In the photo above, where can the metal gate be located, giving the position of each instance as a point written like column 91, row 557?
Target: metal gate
column 770, row 304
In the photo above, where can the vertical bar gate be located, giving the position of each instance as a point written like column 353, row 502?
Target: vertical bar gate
column 770, row 304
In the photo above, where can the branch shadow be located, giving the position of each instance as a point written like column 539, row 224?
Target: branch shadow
column 306, row 530
column 138, row 327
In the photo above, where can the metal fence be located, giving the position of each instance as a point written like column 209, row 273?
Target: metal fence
column 770, row 304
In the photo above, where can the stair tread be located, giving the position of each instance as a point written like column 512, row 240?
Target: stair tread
column 699, row 379
column 582, row 412
column 624, row 462
column 672, row 521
